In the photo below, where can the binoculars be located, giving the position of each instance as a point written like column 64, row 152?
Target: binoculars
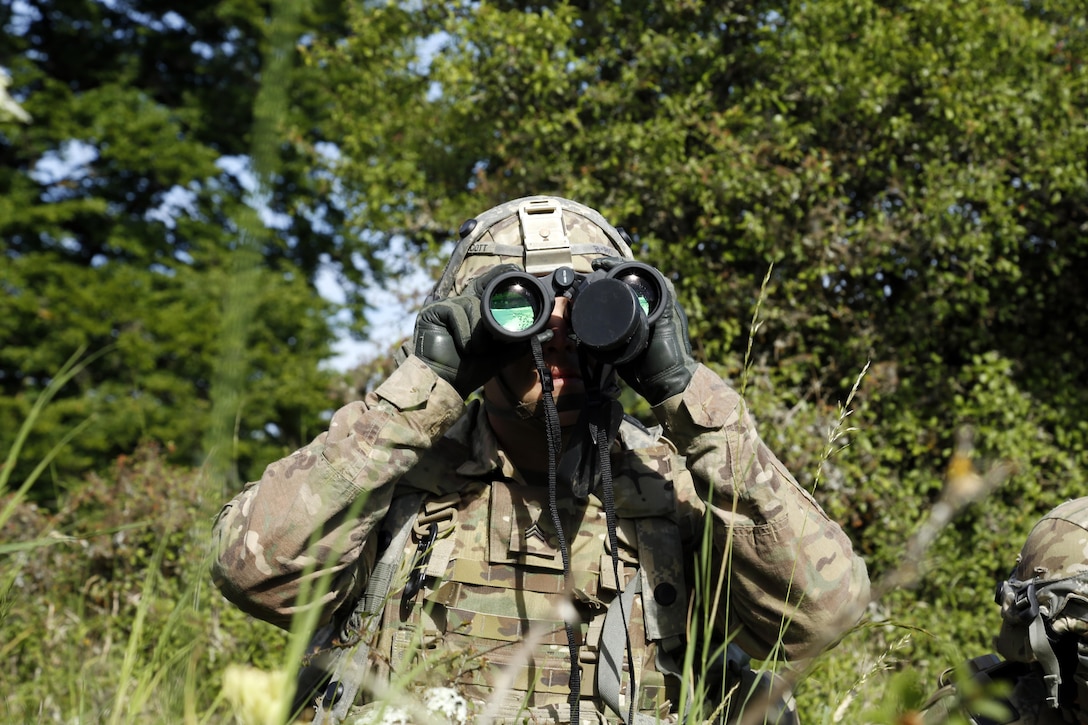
column 610, row 313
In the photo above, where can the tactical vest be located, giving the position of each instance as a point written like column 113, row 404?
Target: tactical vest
column 479, row 596
column 485, row 591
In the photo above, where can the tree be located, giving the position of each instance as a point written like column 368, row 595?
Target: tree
column 914, row 172
column 127, row 217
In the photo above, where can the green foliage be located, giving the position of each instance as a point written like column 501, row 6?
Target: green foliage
column 911, row 173
column 914, row 173
column 124, row 227
column 107, row 611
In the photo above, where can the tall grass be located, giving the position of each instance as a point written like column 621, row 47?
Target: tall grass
column 105, row 610
column 108, row 615
column 144, row 639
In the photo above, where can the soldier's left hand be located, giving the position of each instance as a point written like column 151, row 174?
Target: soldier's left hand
column 665, row 367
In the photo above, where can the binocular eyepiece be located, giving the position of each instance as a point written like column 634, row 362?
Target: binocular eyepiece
column 610, row 314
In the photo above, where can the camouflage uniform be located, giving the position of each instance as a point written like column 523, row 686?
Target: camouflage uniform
column 1044, row 610
column 488, row 610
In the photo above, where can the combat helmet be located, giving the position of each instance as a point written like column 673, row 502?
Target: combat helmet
column 536, row 233
column 1044, row 603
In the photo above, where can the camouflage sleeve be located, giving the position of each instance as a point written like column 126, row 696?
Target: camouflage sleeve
column 794, row 577
column 304, row 523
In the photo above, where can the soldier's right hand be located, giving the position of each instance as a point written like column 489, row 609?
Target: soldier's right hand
column 453, row 343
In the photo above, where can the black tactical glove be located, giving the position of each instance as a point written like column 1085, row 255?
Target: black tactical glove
column 665, row 367
column 453, row 343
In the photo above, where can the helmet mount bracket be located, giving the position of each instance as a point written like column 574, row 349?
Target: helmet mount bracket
column 546, row 245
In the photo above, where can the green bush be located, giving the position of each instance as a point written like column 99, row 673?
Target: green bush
column 108, row 610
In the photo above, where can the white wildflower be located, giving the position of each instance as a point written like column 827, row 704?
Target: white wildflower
column 445, row 701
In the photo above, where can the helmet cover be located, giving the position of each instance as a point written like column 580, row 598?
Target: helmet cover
column 538, row 234
column 1047, row 590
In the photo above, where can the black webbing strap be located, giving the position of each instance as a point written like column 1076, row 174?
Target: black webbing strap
column 555, row 441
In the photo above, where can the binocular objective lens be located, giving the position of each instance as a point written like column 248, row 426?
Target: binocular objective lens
column 515, row 308
column 644, row 290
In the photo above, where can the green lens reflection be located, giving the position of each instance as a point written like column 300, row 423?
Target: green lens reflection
column 644, row 291
column 515, row 308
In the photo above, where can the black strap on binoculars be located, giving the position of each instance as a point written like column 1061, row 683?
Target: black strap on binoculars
column 551, row 422
column 585, row 461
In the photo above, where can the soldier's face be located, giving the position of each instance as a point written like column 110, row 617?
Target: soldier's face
column 561, row 357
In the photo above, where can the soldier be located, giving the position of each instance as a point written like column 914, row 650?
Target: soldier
column 1043, row 637
column 536, row 549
